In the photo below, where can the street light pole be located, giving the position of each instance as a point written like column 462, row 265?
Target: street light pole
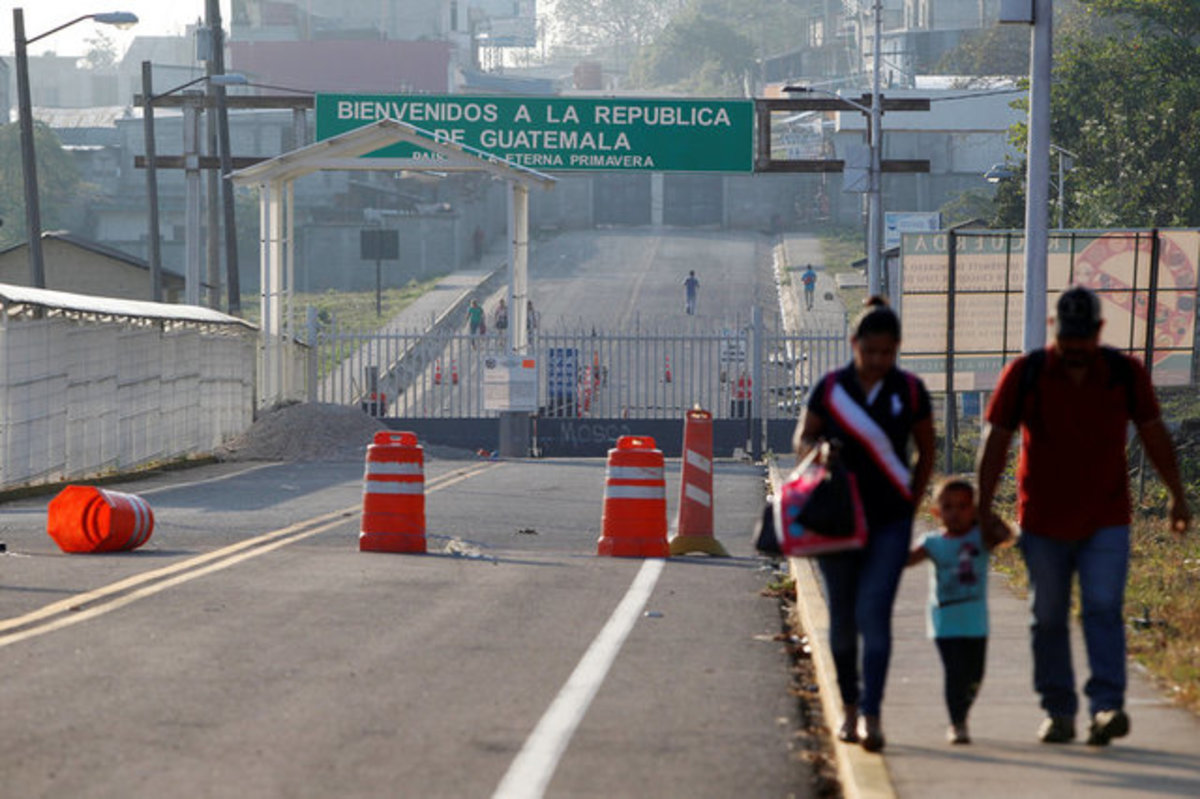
column 874, row 114
column 875, row 200
column 154, row 248
column 1037, row 180
column 33, row 211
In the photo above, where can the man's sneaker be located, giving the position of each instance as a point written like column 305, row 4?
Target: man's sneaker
column 1057, row 730
column 1106, row 725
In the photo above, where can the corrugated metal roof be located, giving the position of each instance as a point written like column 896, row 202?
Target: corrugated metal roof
column 86, row 305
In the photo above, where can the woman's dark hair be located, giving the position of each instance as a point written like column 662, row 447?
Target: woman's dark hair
column 877, row 317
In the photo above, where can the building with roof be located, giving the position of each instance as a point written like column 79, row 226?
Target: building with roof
column 81, row 266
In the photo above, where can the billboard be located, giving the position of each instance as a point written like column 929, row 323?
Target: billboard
column 1147, row 290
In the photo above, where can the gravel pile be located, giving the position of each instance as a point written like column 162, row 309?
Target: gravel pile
column 310, row 431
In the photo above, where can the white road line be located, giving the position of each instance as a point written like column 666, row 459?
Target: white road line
column 535, row 764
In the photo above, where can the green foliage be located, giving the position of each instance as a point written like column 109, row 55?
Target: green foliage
column 697, row 54
column 1177, row 18
column 58, row 182
column 1130, row 107
column 605, row 24
column 1000, row 50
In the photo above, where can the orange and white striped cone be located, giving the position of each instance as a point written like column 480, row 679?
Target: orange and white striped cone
column 667, row 370
column 453, row 372
column 393, row 517
column 635, row 501
column 694, row 525
column 437, row 373
column 89, row 519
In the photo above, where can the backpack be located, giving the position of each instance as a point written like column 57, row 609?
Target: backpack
column 1119, row 371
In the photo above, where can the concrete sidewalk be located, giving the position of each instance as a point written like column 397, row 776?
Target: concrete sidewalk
column 1160, row 757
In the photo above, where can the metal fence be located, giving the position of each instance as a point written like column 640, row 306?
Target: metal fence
column 747, row 372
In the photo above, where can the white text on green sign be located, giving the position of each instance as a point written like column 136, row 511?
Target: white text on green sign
column 563, row 133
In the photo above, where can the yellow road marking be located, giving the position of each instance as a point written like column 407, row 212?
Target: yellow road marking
column 160, row 579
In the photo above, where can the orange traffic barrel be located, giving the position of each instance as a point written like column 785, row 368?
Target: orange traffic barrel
column 694, row 527
column 635, row 501
column 90, row 519
column 393, row 517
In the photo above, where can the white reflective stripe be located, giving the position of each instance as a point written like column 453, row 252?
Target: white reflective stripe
column 634, row 473
column 141, row 530
column 142, row 523
column 856, row 421
column 635, row 492
column 697, row 494
column 393, row 467
column 392, row 487
column 699, row 461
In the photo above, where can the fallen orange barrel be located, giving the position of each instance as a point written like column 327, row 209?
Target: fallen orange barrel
column 694, row 531
column 90, row 519
column 393, row 517
column 635, row 501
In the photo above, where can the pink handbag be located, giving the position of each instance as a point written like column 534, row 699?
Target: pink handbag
column 791, row 506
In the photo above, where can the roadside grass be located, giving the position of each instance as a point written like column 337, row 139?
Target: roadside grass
column 353, row 310
column 840, row 248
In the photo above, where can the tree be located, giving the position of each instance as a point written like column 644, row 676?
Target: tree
column 999, row 50
column 698, row 55
column 1128, row 103
column 58, row 181
column 1126, row 100
column 102, row 52
column 619, row 26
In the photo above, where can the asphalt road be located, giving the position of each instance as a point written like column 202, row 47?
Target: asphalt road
column 616, row 283
column 250, row 650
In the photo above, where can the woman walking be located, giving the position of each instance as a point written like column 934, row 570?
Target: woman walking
column 873, row 408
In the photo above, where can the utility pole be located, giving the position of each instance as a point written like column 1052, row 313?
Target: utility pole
column 154, row 246
column 218, row 68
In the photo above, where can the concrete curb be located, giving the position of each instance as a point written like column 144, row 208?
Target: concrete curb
column 863, row 775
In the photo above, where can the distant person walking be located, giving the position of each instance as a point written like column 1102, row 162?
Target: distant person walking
column 809, row 279
column 475, row 321
column 873, row 408
column 500, row 319
column 531, row 317
column 1073, row 402
column 691, row 287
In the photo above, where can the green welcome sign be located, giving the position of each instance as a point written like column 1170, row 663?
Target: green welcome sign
column 563, row 133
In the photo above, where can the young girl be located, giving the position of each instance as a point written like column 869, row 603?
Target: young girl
column 958, row 619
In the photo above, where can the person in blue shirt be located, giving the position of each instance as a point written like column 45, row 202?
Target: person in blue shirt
column 691, row 286
column 958, row 615
column 809, row 279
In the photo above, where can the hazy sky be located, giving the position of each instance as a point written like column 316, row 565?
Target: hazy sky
column 155, row 17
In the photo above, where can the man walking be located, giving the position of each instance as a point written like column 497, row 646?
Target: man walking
column 1072, row 402
column 809, row 279
column 690, row 287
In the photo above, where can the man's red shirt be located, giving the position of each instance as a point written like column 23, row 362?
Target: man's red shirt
column 1072, row 477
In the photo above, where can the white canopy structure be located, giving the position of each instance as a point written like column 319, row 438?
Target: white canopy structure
column 275, row 177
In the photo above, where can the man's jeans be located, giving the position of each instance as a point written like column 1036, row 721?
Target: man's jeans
column 1102, row 563
column 860, row 588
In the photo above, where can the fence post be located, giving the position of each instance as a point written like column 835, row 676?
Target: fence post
column 951, row 423
column 755, row 411
column 314, row 353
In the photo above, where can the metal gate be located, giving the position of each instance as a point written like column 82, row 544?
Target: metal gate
column 736, row 373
